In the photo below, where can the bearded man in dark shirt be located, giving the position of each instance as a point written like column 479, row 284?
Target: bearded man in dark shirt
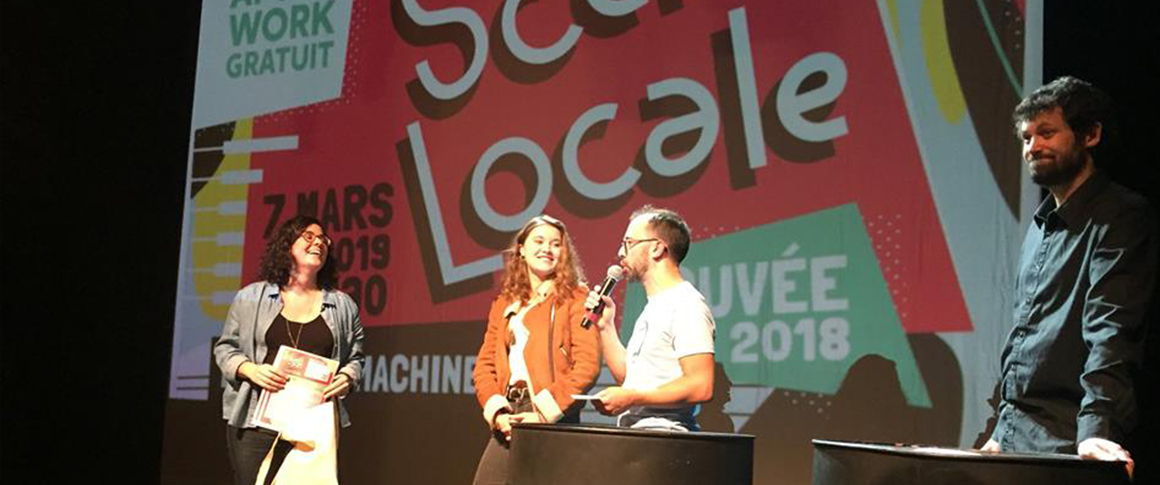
column 1083, row 289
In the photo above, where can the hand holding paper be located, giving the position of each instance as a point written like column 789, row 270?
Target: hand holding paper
column 308, row 379
column 615, row 400
column 339, row 387
column 264, row 376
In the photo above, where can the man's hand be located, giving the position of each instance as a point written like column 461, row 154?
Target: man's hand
column 265, row 376
column 1101, row 449
column 338, row 387
column 992, row 446
column 606, row 317
column 615, row 400
column 610, row 346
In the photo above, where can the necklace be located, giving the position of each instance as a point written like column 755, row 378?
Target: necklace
column 294, row 339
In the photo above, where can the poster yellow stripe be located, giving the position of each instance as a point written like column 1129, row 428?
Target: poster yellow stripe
column 210, row 227
column 940, row 66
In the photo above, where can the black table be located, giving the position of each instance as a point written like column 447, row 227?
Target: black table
column 852, row 462
column 587, row 454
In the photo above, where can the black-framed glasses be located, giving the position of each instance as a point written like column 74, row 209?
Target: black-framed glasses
column 629, row 242
column 309, row 237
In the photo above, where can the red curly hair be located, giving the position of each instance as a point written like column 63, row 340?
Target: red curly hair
column 569, row 274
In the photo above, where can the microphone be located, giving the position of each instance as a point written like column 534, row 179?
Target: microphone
column 614, row 273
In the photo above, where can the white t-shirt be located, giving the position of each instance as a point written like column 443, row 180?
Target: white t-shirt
column 675, row 323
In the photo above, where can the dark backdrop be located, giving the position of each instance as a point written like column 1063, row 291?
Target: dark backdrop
column 95, row 107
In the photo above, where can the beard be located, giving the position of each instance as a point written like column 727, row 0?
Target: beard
column 1066, row 166
column 630, row 273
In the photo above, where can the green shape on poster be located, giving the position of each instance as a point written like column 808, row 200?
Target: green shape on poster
column 797, row 303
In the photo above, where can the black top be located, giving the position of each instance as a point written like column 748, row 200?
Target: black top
column 313, row 336
column 1085, row 280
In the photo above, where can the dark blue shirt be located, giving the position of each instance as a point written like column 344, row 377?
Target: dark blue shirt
column 1086, row 275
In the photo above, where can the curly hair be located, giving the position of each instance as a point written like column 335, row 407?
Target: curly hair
column 569, row 274
column 277, row 264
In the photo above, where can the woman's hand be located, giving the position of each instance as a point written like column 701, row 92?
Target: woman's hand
column 265, row 376
column 504, row 422
column 529, row 417
column 338, row 387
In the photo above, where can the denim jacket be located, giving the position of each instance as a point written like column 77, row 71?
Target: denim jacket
column 244, row 340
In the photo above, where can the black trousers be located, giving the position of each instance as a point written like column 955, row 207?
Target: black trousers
column 247, row 448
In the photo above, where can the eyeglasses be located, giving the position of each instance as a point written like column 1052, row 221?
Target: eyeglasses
column 309, row 237
column 629, row 242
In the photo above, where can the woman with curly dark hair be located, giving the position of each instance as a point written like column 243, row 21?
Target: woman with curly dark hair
column 293, row 303
column 535, row 354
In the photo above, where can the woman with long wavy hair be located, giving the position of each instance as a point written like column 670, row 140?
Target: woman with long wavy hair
column 535, row 354
column 294, row 303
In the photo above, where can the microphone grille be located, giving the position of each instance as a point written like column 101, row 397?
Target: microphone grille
column 615, row 271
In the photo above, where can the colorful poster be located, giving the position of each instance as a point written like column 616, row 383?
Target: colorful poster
column 846, row 168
